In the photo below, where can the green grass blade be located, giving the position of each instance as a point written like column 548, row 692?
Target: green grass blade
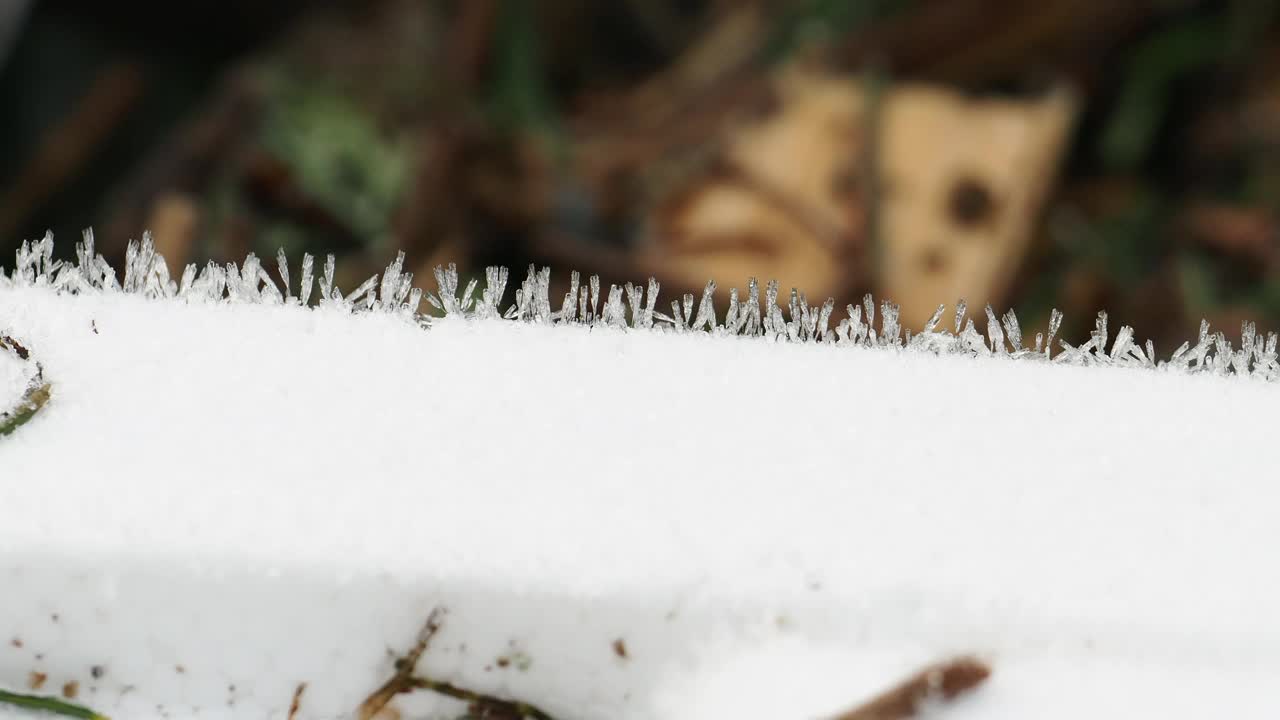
column 49, row 705
column 27, row 408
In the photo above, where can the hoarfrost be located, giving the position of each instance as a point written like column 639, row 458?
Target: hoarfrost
column 630, row 307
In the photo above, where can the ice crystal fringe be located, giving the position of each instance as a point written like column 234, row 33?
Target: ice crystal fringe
column 630, row 307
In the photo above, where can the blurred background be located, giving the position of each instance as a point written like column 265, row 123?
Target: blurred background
column 1069, row 154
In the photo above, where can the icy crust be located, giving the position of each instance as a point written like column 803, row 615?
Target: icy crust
column 632, row 307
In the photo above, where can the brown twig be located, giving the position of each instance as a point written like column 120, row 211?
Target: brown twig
column 66, row 147
column 715, row 65
column 403, row 680
column 942, row 682
column 296, row 704
column 482, row 705
column 971, row 41
column 273, row 183
column 1249, row 234
column 186, row 160
column 471, row 35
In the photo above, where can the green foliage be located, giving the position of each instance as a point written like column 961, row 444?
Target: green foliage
column 518, row 96
column 1148, row 85
column 1125, row 245
column 339, row 154
column 1197, row 283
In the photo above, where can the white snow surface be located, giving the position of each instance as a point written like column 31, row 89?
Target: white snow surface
column 221, row 501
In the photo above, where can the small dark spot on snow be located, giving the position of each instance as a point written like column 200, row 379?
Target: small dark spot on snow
column 55, row 617
column 620, row 648
column 16, row 642
column 36, row 680
column 97, row 671
column 71, row 690
column 181, row 670
column 94, row 325
column 39, row 656
column 21, row 352
column 488, row 668
column 503, row 661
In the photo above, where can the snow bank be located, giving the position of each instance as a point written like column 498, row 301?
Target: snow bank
column 223, row 500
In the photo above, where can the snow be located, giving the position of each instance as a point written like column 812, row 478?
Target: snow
column 224, row 499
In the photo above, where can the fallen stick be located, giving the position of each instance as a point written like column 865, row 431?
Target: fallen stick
column 402, row 681
column 483, row 705
column 938, row 683
column 296, row 704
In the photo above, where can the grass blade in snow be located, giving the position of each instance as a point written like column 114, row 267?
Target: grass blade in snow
column 52, row 705
column 36, row 395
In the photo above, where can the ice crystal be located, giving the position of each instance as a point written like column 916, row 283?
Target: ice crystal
column 629, row 307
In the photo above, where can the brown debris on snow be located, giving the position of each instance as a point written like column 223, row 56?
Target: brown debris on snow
column 402, row 681
column 295, row 704
column 938, row 683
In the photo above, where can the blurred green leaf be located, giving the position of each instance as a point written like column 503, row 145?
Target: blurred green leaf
column 1126, row 245
column 518, row 96
column 1196, row 281
column 339, row 154
column 1146, row 92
